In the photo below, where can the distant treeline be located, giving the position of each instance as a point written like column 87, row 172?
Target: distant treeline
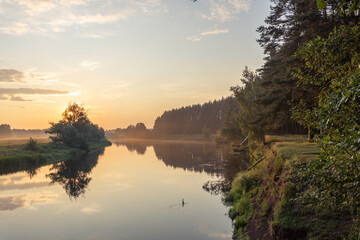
column 209, row 117
column 7, row 132
column 192, row 119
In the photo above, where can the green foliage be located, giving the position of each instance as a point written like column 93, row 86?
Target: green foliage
column 220, row 138
column 32, row 145
column 136, row 131
column 343, row 7
column 206, row 133
column 251, row 116
column 242, row 207
column 5, row 130
column 332, row 65
column 231, row 129
column 289, row 25
column 191, row 119
column 75, row 129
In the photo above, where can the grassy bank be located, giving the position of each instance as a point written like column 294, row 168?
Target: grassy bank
column 264, row 204
column 17, row 155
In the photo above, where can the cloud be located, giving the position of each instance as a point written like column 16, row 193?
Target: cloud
column 15, row 28
column 35, row 7
column 151, row 7
column 89, row 65
column 91, row 19
column 12, row 93
column 47, row 17
column 9, row 203
column 225, row 10
column 206, row 33
column 17, row 76
column 18, row 99
column 92, row 209
column 215, row 32
column 11, row 75
column 32, row 91
column 206, row 231
column 12, row 202
column 20, row 182
column 95, row 35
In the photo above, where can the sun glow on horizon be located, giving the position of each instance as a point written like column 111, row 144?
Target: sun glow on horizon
column 128, row 62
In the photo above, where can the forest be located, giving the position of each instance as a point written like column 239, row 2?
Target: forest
column 310, row 81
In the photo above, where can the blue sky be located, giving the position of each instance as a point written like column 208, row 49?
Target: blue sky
column 126, row 61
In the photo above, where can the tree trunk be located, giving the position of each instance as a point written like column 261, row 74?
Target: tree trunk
column 310, row 135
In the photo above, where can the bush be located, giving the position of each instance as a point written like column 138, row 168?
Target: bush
column 32, row 145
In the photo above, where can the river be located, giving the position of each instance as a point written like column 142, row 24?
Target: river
column 133, row 190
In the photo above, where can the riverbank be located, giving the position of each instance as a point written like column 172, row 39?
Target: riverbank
column 17, row 155
column 264, row 204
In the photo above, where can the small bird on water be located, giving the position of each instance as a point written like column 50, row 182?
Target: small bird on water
column 183, row 203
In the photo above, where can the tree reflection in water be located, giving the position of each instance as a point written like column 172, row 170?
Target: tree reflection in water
column 195, row 157
column 73, row 174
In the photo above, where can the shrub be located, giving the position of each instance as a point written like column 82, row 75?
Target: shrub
column 32, row 145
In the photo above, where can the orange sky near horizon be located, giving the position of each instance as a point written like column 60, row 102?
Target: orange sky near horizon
column 126, row 61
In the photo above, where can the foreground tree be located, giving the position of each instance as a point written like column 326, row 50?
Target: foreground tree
column 252, row 115
column 332, row 66
column 75, row 129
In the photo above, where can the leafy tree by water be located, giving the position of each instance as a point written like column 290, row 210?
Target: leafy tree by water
column 231, row 129
column 252, row 116
column 74, row 175
column 206, row 133
column 75, row 129
column 332, row 65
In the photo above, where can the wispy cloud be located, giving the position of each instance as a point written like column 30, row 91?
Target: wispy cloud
column 200, row 36
column 35, row 7
column 48, row 17
column 225, row 10
column 15, row 28
column 89, row 65
column 206, row 231
column 12, row 202
column 151, row 7
column 12, row 94
column 92, row 209
column 20, row 182
column 17, row 76
column 95, row 35
column 11, row 75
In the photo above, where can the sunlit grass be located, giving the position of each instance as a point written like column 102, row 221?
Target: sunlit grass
column 21, row 141
column 16, row 156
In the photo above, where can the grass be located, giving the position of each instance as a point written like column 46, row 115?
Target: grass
column 269, row 190
column 244, row 188
column 20, row 141
column 15, row 154
column 301, row 151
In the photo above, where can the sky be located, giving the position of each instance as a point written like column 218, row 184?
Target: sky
column 126, row 61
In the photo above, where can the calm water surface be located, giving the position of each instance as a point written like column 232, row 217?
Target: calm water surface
column 133, row 190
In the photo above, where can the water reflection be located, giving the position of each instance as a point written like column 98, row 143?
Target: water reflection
column 30, row 165
column 195, row 157
column 151, row 193
column 73, row 174
column 12, row 202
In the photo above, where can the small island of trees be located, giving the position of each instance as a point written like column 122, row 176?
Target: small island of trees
column 75, row 130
